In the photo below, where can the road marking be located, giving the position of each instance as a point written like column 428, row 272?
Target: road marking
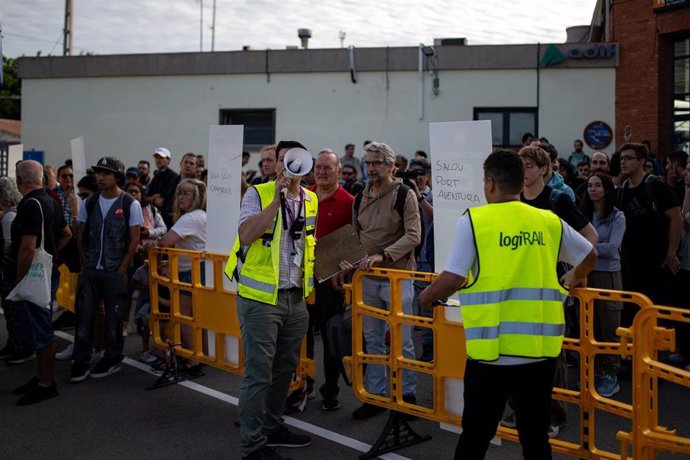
column 293, row 422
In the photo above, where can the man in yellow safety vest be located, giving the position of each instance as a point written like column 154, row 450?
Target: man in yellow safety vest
column 272, row 261
column 503, row 264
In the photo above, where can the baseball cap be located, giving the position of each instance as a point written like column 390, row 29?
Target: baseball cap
column 132, row 171
column 162, row 151
column 110, row 164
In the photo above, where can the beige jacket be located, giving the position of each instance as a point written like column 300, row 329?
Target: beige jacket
column 380, row 226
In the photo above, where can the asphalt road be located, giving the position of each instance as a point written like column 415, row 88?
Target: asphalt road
column 117, row 418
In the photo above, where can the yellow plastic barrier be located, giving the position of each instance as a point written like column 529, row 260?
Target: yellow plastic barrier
column 67, row 290
column 210, row 312
column 648, row 339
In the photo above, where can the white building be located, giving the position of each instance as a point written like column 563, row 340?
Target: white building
column 127, row 105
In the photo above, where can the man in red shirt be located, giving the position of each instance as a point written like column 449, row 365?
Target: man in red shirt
column 335, row 211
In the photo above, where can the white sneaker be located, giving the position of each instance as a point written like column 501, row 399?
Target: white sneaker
column 125, row 329
column 65, row 354
column 553, row 431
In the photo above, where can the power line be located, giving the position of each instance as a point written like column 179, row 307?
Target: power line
column 26, row 37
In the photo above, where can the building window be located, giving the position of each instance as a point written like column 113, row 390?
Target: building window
column 259, row 125
column 681, row 94
column 508, row 124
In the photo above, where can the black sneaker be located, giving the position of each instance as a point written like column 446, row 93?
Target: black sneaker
column 366, row 411
column 79, row 372
column 409, row 399
column 330, row 404
column 282, row 437
column 106, row 367
column 264, row 453
column 26, row 388
column 20, row 357
column 37, row 394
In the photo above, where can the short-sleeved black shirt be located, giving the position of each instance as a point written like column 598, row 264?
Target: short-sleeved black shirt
column 564, row 207
column 28, row 222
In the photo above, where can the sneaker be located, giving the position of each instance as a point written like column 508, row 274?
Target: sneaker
column 608, row 386
column 264, row 453
column 282, row 437
column 677, row 358
column 26, row 388
column 366, row 411
column 37, row 394
column 96, row 356
column 147, row 357
column 20, row 357
column 509, row 421
column 66, row 353
column 409, row 399
column 330, row 404
column 106, row 367
column 125, row 330
column 553, row 431
column 79, row 372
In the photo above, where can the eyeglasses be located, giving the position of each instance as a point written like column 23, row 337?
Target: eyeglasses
column 83, row 195
column 67, row 176
column 374, row 164
column 629, row 158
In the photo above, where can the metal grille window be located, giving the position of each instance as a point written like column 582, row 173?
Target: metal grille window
column 508, row 124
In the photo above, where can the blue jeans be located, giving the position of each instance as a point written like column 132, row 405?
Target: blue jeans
column 271, row 343
column 376, row 293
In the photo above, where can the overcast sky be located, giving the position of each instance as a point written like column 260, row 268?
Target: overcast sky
column 152, row 26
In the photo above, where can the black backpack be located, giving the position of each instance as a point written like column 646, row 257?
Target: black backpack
column 400, row 207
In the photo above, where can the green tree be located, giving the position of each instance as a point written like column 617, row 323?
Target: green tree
column 10, row 94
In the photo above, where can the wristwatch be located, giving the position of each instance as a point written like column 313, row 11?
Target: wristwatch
column 382, row 253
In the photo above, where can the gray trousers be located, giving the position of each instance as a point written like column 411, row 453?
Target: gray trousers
column 607, row 318
column 271, row 343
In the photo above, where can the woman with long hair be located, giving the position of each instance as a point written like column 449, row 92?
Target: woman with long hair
column 188, row 232
column 609, row 222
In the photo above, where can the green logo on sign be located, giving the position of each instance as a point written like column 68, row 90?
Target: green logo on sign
column 551, row 56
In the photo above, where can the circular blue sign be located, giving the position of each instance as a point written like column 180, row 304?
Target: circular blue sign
column 598, row 135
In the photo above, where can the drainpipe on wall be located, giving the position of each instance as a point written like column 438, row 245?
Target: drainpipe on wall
column 421, row 81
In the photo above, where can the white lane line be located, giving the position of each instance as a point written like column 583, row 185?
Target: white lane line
column 296, row 423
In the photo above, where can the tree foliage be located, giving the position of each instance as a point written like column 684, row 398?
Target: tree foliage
column 10, row 94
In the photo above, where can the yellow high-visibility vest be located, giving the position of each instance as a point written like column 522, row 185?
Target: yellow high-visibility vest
column 514, row 304
column 259, row 274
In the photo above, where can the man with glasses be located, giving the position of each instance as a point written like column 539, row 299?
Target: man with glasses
column 389, row 235
column 350, row 182
column 653, row 228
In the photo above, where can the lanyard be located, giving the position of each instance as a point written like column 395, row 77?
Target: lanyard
column 287, row 209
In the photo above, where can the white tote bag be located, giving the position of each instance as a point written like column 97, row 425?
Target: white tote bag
column 35, row 286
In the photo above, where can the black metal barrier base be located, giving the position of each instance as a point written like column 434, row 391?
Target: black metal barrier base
column 173, row 372
column 395, row 435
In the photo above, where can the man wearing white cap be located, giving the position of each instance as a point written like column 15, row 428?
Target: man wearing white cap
column 162, row 188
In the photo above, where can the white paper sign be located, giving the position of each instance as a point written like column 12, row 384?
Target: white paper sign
column 15, row 155
column 78, row 159
column 224, row 166
column 458, row 151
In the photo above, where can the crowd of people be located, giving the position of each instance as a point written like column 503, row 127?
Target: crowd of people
column 631, row 207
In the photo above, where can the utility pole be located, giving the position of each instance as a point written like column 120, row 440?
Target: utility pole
column 213, row 28
column 201, row 25
column 67, row 31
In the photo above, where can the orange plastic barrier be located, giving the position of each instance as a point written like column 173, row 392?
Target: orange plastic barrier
column 449, row 357
column 210, row 312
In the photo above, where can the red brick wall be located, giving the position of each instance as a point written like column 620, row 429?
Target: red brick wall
column 644, row 76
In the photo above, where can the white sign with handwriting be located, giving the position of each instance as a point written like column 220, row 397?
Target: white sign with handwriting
column 458, row 151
